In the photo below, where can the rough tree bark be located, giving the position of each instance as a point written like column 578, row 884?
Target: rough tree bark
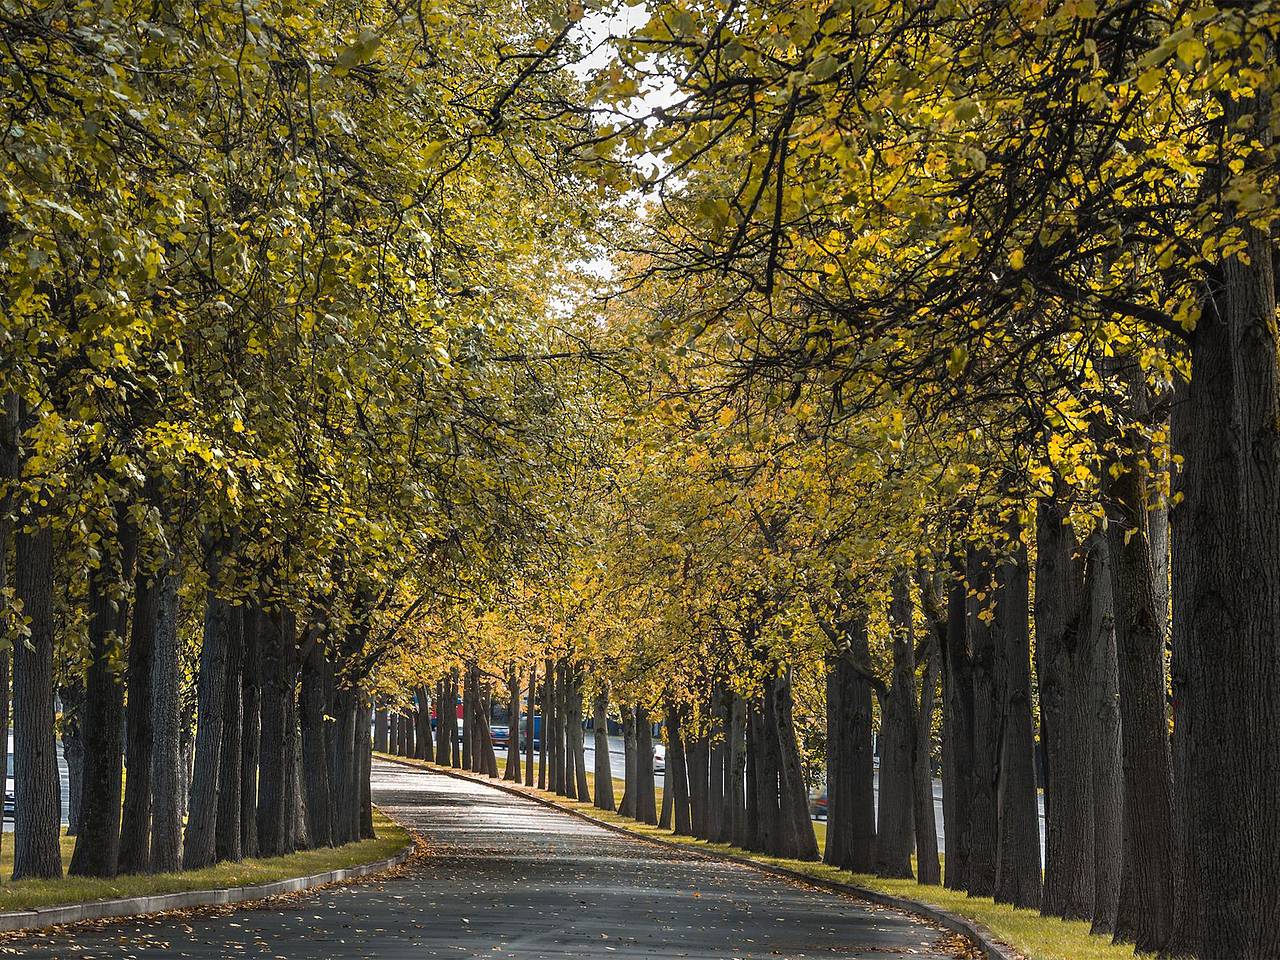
column 851, row 811
column 364, row 748
column 793, row 790
column 957, row 728
column 37, row 795
column 928, row 869
column 646, row 800
column 275, row 811
column 1063, row 654
column 135, row 821
column 1185, row 939
column 424, row 749
column 97, row 847
column 136, row 818
column 736, row 776
column 579, row 735
column 603, row 769
column 512, row 772
column 675, row 779
column 166, row 724
column 227, row 833
column 544, row 746
column 696, row 761
column 1231, row 630
column 1018, row 849
column 529, row 726
column 1146, row 917
column 312, row 707
column 250, row 729
column 987, row 696
column 895, row 839
column 630, row 770
column 198, row 844
column 71, row 696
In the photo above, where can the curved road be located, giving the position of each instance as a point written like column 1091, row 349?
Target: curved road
column 509, row 878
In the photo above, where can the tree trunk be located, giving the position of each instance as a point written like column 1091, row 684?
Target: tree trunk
column 987, row 698
column 468, row 722
column 72, row 699
column 717, row 761
column 135, row 822
column 676, row 783
column 793, row 789
column 166, row 724
column 1147, row 918
column 564, row 785
column 736, row 775
column 1185, row 939
column 1063, row 654
column 455, row 741
column 37, row 794
column 10, row 470
column 544, row 745
column 489, row 758
column 765, row 815
column 630, row 770
column 312, row 708
column 851, row 811
column 97, row 847
column 198, row 847
column 364, row 747
column 423, row 749
column 529, row 726
column 1232, row 609
column 604, row 767
column 696, row 762
column 646, row 800
column 512, row 771
column 957, row 729
column 579, row 736
column 928, row 869
column 895, row 839
column 1018, row 852
column 275, row 813
column 250, row 729
column 1104, row 726
column 227, row 839
column 340, row 742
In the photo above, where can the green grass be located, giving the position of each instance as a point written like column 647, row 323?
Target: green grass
column 1036, row 937
column 28, row 894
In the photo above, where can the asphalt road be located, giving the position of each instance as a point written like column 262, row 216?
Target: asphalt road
column 505, row 877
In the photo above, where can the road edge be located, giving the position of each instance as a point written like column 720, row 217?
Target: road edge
column 124, row 907
column 978, row 934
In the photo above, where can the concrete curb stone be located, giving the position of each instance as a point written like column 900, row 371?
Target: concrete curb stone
column 164, row 902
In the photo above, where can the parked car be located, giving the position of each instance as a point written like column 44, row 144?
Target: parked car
column 659, row 758
column 501, row 734
column 818, row 805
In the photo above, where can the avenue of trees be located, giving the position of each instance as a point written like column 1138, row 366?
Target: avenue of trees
column 787, row 374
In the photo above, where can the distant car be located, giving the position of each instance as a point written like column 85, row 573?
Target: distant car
column 818, row 805
column 501, row 734
column 659, row 758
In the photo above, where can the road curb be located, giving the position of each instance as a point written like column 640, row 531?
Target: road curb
column 164, row 902
column 975, row 932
